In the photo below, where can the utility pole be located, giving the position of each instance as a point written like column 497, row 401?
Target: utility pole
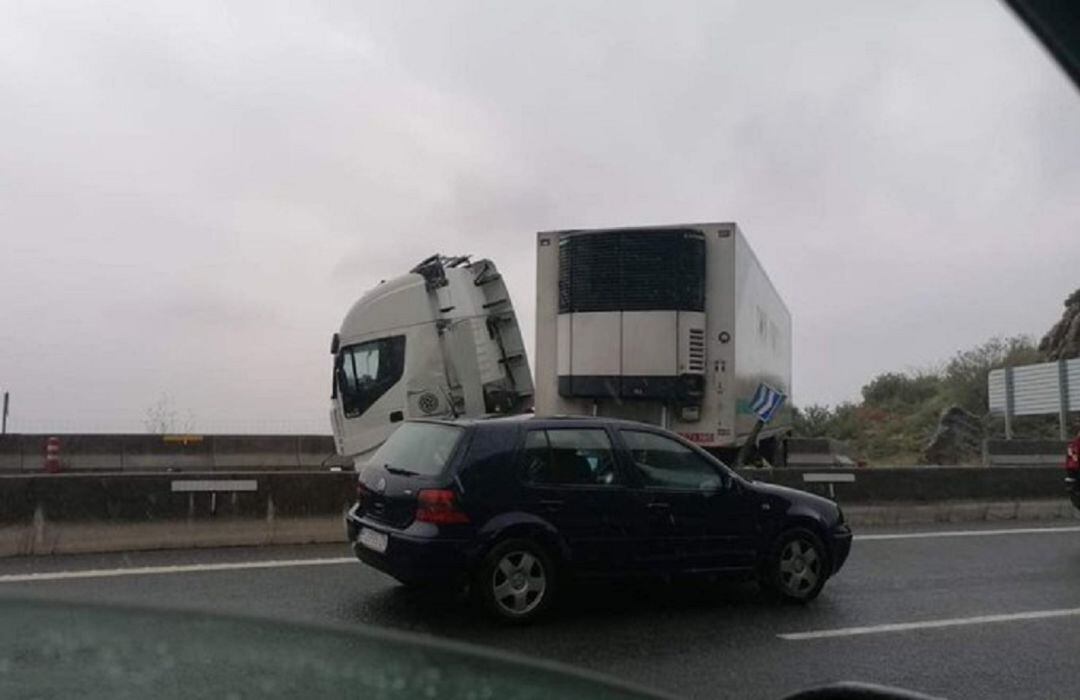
column 4, row 415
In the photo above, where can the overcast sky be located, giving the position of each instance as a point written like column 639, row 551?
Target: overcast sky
column 193, row 194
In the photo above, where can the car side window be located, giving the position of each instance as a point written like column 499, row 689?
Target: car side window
column 536, row 465
column 569, row 456
column 666, row 463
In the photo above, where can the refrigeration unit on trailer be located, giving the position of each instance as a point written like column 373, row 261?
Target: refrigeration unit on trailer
column 672, row 325
column 442, row 340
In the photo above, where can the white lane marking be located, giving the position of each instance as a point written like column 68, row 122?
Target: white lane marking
column 930, row 624
column 284, row 563
column 174, row 569
column 968, row 533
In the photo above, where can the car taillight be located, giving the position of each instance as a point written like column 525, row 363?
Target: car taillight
column 439, row 506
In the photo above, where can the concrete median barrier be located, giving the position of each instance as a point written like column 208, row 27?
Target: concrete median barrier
column 1024, row 453
column 163, row 452
column 67, row 513
column 926, row 484
column 923, row 495
column 24, row 453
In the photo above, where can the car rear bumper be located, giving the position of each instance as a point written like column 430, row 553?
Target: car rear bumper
column 840, row 543
column 408, row 557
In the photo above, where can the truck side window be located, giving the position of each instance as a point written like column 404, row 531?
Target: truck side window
column 367, row 371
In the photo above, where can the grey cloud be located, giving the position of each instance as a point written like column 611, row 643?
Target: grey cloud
column 205, row 313
column 907, row 175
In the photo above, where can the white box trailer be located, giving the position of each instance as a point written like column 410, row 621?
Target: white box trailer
column 672, row 325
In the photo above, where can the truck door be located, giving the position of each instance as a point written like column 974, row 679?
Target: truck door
column 369, row 391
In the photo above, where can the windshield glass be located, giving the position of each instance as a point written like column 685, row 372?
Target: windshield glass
column 421, row 448
column 720, row 346
column 366, row 371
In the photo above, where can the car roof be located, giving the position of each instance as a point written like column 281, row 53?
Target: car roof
column 499, row 422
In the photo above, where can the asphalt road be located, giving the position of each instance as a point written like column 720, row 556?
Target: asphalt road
column 987, row 613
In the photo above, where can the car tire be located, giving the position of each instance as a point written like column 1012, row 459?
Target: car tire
column 515, row 582
column 796, row 567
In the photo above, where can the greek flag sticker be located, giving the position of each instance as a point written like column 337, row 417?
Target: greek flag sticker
column 766, row 402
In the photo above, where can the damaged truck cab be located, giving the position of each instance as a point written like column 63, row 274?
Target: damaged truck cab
column 442, row 340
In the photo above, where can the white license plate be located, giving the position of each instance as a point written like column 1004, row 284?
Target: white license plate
column 373, row 540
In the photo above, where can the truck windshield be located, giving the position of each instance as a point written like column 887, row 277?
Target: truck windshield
column 421, row 448
column 367, row 371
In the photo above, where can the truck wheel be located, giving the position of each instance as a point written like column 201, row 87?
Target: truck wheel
column 516, row 581
column 797, row 566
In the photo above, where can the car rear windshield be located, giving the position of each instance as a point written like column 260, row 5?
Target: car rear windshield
column 420, row 448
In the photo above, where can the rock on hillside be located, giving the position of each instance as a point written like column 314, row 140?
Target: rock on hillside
column 1063, row 340
column 957, row 440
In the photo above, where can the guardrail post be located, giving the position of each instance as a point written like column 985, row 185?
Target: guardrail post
column 1008, row 403
column 1063, row 400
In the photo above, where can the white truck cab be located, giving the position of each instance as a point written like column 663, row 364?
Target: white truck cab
column 442, row 340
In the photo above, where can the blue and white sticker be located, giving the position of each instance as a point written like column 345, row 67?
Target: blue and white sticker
column 766, row 402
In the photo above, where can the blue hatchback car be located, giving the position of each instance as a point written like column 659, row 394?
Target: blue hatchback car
column 516, row 506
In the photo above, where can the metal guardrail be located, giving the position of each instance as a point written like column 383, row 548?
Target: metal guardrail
column 1047, row 388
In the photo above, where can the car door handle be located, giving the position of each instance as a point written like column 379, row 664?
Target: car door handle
column 658, row 505
column 551, row 505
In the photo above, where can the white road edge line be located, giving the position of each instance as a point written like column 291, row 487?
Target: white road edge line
column 174, row 569
column 967, row 533
column 284, row 563
column 930, row 624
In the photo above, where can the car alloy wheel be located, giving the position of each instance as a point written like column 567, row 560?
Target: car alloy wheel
column 800, row 567
column 518, row 583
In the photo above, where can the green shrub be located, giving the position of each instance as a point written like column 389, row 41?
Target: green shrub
column 899, row 411
column 965, row 375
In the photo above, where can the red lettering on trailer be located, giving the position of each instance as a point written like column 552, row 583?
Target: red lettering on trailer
column 699, row 437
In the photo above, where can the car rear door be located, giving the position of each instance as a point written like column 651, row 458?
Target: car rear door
column 571, row 478
column 696, row 520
